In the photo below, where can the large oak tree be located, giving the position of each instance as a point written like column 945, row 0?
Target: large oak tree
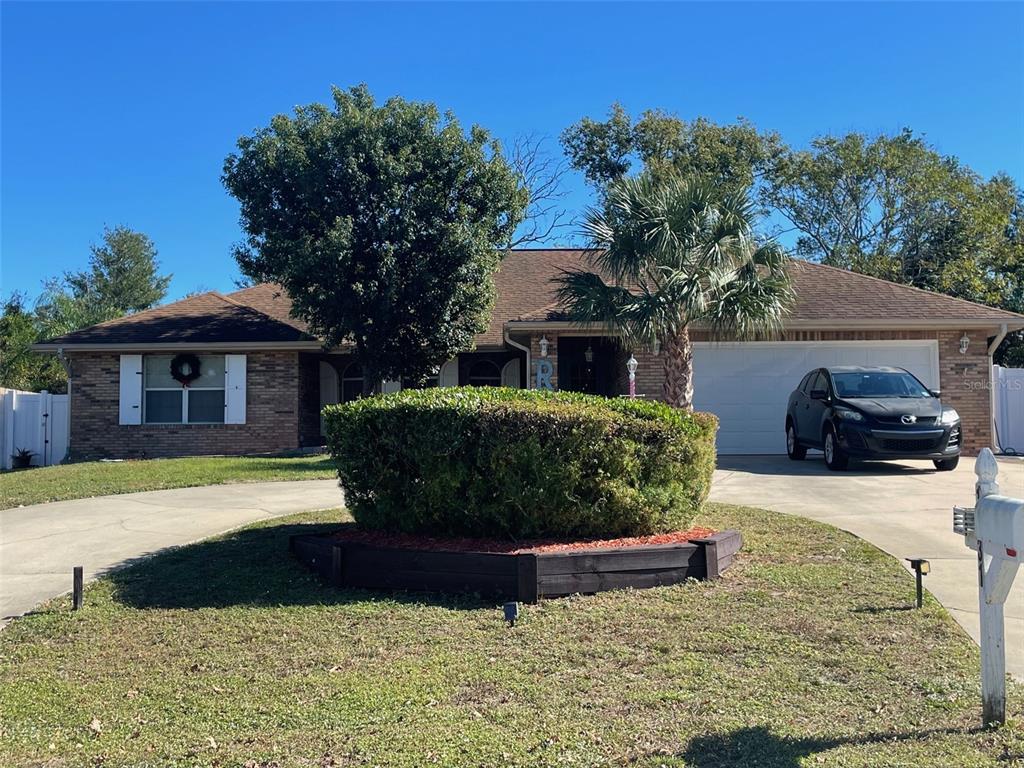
column 384, row 223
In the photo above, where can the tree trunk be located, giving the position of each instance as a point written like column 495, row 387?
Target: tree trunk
column 678, row 391
column 371, row 381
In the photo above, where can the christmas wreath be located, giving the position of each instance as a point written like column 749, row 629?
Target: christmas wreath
column 185, row 368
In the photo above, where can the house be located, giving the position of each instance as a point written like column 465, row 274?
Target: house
column 235, row 373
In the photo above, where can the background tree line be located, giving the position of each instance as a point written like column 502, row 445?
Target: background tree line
column 393, row 235
column 890, row 206
column 122, row 277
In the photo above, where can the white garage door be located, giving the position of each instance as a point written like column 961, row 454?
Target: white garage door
column 747, row 384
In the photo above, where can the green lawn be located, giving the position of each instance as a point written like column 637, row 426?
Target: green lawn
column 227, row 653
column 95, row 478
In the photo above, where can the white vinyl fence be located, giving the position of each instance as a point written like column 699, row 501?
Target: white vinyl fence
column 1008, row 387
column 37, row 421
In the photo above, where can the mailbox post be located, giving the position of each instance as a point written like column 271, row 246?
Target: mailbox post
column 995, row 529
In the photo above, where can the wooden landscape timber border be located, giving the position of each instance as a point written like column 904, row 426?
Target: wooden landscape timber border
column 525, row 577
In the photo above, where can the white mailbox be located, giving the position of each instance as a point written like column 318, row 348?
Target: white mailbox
column 999, row 527
column 995, row 529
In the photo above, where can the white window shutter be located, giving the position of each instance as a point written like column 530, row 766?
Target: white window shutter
column 129, row 407
column 510, row 374
column 234, row 389
column 390, row 386
column 449, row 374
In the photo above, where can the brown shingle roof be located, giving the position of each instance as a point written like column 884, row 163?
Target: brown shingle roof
column 206, row 318
column 271, row 300
column 831, row 293
column 523, row 285
column 828, row 295
column 525, row 292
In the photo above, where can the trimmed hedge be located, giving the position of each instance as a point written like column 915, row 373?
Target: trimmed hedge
column 473, row 461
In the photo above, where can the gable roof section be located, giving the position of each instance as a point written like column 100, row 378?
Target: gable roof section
column 827, row 297
column 523, row 285
column 830, row 293
column 207, row 318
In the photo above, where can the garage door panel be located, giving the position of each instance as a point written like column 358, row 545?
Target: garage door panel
column 747, row 385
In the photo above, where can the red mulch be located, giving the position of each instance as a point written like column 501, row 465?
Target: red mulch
column 436, row 543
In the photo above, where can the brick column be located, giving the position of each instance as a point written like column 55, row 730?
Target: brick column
column 966, row 382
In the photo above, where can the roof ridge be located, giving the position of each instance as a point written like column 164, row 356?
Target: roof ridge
column 908, row 287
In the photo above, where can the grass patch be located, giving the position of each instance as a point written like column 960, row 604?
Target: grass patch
column 97, row 478
column 227, row 653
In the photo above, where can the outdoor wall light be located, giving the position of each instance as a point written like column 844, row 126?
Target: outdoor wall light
column 921, row 568
column 543, row 344
column 631, row 366
column 965, row 342
column 589, row 354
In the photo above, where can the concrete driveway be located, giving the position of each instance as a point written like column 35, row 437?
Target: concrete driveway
column 904, row 508
column 40, row 544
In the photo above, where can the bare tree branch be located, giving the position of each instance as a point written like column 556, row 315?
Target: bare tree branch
column 543, row 173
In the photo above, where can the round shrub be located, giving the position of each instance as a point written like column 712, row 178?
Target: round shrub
column 513, row 463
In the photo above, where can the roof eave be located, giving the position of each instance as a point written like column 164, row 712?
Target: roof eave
column 136, row 346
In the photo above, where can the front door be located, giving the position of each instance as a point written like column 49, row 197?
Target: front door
column 587, row 364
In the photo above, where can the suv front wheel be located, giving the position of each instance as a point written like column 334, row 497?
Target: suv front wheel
column 794, row 450
column 835, row 457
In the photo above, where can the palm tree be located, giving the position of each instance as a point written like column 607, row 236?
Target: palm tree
column 666, row 255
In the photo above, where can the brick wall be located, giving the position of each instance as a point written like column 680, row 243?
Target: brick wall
column 272, row 413
column 964, row 379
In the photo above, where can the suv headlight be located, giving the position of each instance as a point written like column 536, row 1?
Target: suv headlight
column 847, row 415
column 950, row 416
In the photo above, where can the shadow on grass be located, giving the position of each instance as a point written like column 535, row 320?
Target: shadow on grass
column 759, row 746
column 250, row 567
column 884, row 609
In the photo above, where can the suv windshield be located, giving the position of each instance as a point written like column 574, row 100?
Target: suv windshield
column 878, row 385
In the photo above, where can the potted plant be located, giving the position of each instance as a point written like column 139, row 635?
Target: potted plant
column 22, row 458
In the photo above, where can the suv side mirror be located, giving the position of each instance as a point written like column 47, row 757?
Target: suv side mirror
column 935, row 392
column 819, row 394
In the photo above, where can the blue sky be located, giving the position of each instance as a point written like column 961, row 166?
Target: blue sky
column 123, row 113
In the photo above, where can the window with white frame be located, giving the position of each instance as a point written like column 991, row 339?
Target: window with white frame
column 168, row 401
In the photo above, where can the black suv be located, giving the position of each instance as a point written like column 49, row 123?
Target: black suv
column 870, row 413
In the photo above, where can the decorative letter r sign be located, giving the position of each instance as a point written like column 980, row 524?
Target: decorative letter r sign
column 544, row 371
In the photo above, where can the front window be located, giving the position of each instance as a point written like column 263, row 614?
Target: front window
column 484, row 373
column 194, row 397
column 352, row 383
column 878, row 384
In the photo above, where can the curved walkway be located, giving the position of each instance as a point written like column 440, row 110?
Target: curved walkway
column 40, row 544
column 904, row 508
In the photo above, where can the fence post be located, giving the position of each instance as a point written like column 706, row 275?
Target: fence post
column 9, row 397
column 45, row 403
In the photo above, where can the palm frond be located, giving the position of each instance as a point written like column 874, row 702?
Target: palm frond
column 673, row 252
column 587, row 298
